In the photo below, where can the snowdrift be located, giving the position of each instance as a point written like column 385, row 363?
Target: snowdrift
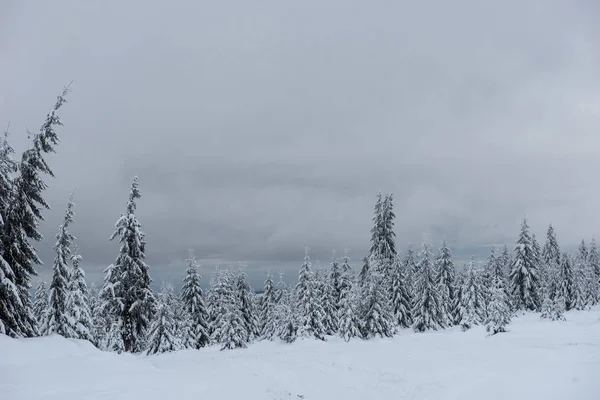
column 536, row 359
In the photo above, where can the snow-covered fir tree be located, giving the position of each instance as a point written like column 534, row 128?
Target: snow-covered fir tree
column 553, row 306
column 550, row 255
column 288, row 331
column 456, row 307
column 506, row 260
column 58, row 318
column 524, row 275
column 334, row 280
column 78, row 302
column 325, row 295
column 162, row 335
column 310, row 312
column 126, row 294
column 377, row 319
column 594, row 265
column 445, row 278
column 472, row 300
column 428, row 309
column 40, row 303
column 268, row 304
column 364, row 272
column 98, row 323
column 348, row 312
column 566, row 279
column 192, row 298
column 21, row 205
column 229, row 324
column 410, row 270
column 498, row 311
column 246, row 305
column 581, row 274
column 401, row 305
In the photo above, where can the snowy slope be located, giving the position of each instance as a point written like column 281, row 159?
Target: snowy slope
column 537, row 359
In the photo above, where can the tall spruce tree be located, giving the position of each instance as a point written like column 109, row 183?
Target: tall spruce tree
column 377, row 320
column 310, row 312
column 553, row 306
column 428, row 310
column 348, row 313
column 498, row 311
column 246, row 305
column 401, row 304
column 566, row 279
column 364, row 272
column 524, row 275
column 445, row 278
column 126, row 294
column 580, row 277
column 78, row 302
column 594, row 264
column 472, row 300
column 229, row 324
column 162, row 334
column 192, row 298
column 335, row 276
column 268, row 304
column 550, row 255
column 58, row 318
column 21, row 205
column 40, row 303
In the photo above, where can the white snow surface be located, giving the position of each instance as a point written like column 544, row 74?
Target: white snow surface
column 536, row 359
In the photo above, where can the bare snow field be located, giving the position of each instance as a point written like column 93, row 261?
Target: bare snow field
column 536, row 359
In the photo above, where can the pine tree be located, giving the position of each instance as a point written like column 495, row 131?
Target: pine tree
column 472, row 300
column 326, row 296
column 162, row 335
column 445, row 278
column 229, row 324
column 58, row 318
column 288, row 331
column 364, row 272
column 246, row 306
column 410, row 269
column 580, row 277
column 566, row 280
column 401, row 306
column 428, row 310
column 98, row 323
column 40, row 304
column 506, row 260
column 553, row 306
column 78, row 302
column 335, row 276
column 524, row 275
column 456, row 307
column 310, row 311
column 550, row 256
column 21, row 205
column 377, row 319
column 348, row 313
column 268, row 329
column 126, row 292
column 499, row 314
column 594, row 265
column 193, row 302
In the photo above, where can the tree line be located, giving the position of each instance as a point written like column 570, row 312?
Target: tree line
column 385, row 293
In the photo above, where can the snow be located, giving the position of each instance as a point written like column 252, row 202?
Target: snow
column 535, row 359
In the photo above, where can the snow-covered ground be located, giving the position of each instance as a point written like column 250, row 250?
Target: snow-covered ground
column 537, row 359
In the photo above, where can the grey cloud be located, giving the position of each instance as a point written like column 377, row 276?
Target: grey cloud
column 257, row 129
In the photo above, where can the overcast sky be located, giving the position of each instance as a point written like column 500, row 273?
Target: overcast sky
column 259, row 127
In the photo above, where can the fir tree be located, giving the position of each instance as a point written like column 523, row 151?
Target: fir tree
column 288, row 331
column 594, row 279
column 78, row 303
column 162, row 335
column 126, row 292
column 580, row 277
column 550, row 255
column 21, row 205
column 506, row 260
column 400, row 296
column 230, row 326
column 377, row 319
column 327, row 297
column 40, row 304
column 364, row 272
column 553, row 306
column 193, row 301
column 246, row 306
column 310, row 311
column 268, row 316
column 335, row 275
column 498, row 315
column 524, row 274
column 98, row 323
column 472, row 300
column 348, row 313
column 566, row 280
column 445, row 278
column 428, row 310
column 58, row 318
